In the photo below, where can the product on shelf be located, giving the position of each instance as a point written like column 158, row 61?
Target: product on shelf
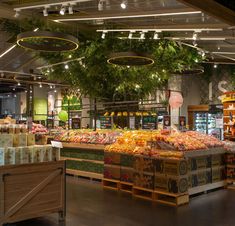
column 39, row 129
column 87, row 136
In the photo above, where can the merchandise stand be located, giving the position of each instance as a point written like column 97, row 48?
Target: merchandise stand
column 32, row 190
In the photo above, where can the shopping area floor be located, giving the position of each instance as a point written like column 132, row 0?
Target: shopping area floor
column 89, row 205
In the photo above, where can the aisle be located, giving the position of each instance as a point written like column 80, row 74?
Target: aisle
column 88, row 205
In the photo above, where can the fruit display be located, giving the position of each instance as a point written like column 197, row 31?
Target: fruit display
column 87, row 136
column 39, row 129
column 229, row 146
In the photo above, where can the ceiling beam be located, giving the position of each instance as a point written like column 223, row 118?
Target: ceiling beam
column 212, row 8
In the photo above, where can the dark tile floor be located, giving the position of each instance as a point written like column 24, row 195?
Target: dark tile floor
column 89, row 205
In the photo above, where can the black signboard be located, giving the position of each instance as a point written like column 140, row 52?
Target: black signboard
column 76, row 123
column 149, row 122
column 166, row 121
column 105, row 122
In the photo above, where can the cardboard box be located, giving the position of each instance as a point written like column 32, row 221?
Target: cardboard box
column 22, row 155
column 217, row 174
column 6, row 140
column 112, row 172
column 127, row 174
column 36, row 154
column 47, row 155
column 198, row 163
column 143, row 180
column 199, row 178
column 20, row 140
column 159, row 166
column 55, row 155
column 127, row 160
column 112, row 158
column 144, row 164
column 175, row 167
column 2, row 156
column 160, row 182
column 217, row 160
column 10, row 156
column 30, row 139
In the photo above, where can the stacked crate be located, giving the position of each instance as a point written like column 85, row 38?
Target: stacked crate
column 112, row 170
column 230, row 166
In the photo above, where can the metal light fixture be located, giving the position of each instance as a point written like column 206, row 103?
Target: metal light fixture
column 45, row 12
column 62, row 10
column 70, row 9
column 101, row 5
column 18, row 84
column 40, row 85
column 155, row 36
column 17, row 14
column 103, row 35
column 130, row 35
column 195, row 36
column 123, row 5
column 142, row 35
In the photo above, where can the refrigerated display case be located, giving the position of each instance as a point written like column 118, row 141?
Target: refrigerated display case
column 200, row 121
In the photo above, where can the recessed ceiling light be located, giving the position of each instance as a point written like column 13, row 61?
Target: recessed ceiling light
column 215, row 65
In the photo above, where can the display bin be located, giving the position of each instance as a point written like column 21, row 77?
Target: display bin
column 31, row 190
column 217, row 160
column 217, row 174
column 198, row 163
column 230, row 158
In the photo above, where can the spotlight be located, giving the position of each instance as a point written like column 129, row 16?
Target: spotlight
column 101, row 5
column 45, row 12
column 14, row 95
column 25, row 91
column 18, row 84
column 36, row 29
column 17, row 14
column 130, row 35
column 70, row 9
column 8, row 95
column 194, row 36
column 40, row 85
column 103, row 35
column 128, row 66
column 31, row 91
column 14, row 89
column 203, row 53
column 70, row 56
column 218, row 47
column 155, row 36
column 215, row 65
column 62, row 10
column 123, row 5
column 55, row 91
column 66, row 66
column 142, row 35
column 48, row 70
column 51, row 87
column 2, row 75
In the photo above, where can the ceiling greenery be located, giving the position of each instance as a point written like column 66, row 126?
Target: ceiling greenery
column 96, row 78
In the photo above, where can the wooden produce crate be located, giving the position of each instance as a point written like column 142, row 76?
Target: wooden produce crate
column 217, row 173
column 126, row 187
column 112, row 172
column 126, row 160
column 32, row 190
column 230, row 159
column 217, row 160
column 111, row 184
column 143, row 193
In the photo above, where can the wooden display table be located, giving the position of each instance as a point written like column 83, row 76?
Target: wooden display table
column 32, row 190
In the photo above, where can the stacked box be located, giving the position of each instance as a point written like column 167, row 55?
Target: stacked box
column 30, row 139
column 2, row 156
column 112, row 172
column 199, row 178
column 217, row 174
column 9, row 156
column 126, row 160
column 6, row 140
column 24, row 155
column 144, row 164
column 112, row 158
column 175, row 167
column 126, row 174
column 36, row 154
column 230, row 158
column 55, row 154
column 144, row 180
column 20, row 140
column 217, row 160
column 159, row 166
column 47, row 155
column 198, row 163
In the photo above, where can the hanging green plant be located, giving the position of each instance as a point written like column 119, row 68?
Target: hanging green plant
column 96, row 78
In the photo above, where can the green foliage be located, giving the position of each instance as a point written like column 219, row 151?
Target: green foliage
column 96, row 78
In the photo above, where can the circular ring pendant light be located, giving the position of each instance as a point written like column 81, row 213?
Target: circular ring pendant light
column 47, row 41
column 130, row 59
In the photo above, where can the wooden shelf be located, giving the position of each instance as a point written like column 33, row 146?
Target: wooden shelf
column 82, row 160
column 85, row 174
column 84, row 146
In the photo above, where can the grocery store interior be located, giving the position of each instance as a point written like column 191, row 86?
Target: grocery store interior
column 117, row 112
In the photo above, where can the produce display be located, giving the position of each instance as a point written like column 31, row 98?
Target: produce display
column 87, row 136
column 39, row 129
column 13, row 128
